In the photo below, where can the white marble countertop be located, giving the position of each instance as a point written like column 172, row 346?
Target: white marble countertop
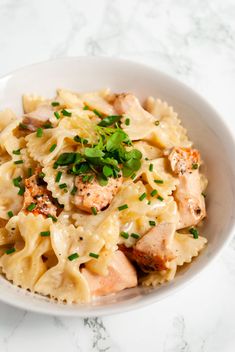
column 193, row 40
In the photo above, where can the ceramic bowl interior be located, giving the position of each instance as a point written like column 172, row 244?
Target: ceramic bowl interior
column 205, row 128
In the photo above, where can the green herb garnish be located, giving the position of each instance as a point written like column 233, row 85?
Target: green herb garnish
column 52, row 217
column 66, row 113
column 194, row 166
column 45, row 233
column 109, row 120
column 58, row 176
column 160, row 198
column 123, row 207
column 151, row 167
column 39, row 132
column 124, row 234
column 57, row 115
column 63, row 185
column 80, row 140
column 16, row 181
column 159, row 181
column 157, row 123
column 97, row 113
column 73, row 256
column 74, row 190
column 11, row 250
column 55, row 103
column 152, row 223
column 143, row 195
column 10, row 214
column 16, row 152
column 153, row 193
column 135, row 235
column 94, row 210
column 30, row 172
column 18, row 162
column 31, row 207
column 194, row 232
column 52, row 148
column 21, row 191
column 94, row 255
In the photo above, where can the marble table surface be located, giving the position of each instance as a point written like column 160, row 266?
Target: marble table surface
column 193, row 40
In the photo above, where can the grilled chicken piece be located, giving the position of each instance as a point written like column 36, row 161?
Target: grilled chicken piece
column 191, row 203
column 184, row 160
column 38, row 118
column 38, row 194
column 121, row 275
column 92, row 195
column 152, row 251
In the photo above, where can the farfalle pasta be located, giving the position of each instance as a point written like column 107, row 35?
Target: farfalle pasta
column 97, row 194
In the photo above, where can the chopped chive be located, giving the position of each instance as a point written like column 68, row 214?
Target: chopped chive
column 152, row 223
column 21, row 191
column 194, row 166
column 47, row 125
column 66, row 113
column 94, row 210
column 194, row 232
column 30, row 172
column 57, row 115
column 122, row 207
column 151, row 167
column 135, row 235
column 73, row 256
column 11, row 250
column 203, row 194
column 143, row 195
column 55, row 165
column 23, row 126
column 149, row 202
column 159, row 181
column 41, row 175
column 55, row 103
column 52, row 148
column 39, row 132
column 80, row 140
column 124, row 234
column 74, row 190
column 146, row 158
column 58, row 176
column 31, row 206
column 52, row 217
column 85, row 178
column 45, row 233
column 16, row 152
column 157, row 123
column 18, row 162
column 127, row 122
column 10, row 213
column 86, row 107
column 133, row 176
column 63, row 185
column 16, row 181
column 91, row 178
column 153, row 193
column 97, row 113
column 160, row 198
column 94, row 255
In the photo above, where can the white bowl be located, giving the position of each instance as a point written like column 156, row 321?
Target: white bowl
column 205, row 127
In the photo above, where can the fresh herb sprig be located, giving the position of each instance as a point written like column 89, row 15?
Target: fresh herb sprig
column 109, row 157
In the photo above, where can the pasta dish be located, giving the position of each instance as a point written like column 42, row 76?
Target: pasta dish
column 98, row 193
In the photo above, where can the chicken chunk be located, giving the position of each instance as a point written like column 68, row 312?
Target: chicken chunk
column 121, row 275
column 184, row 160
column 38, row 194
column 152, row 251
column 38, row 118
column 92, row 195
column 190, row 202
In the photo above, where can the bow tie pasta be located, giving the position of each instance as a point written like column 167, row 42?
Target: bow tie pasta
column 97, row 194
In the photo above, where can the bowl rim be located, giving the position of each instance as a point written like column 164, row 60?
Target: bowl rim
column 118, row 308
